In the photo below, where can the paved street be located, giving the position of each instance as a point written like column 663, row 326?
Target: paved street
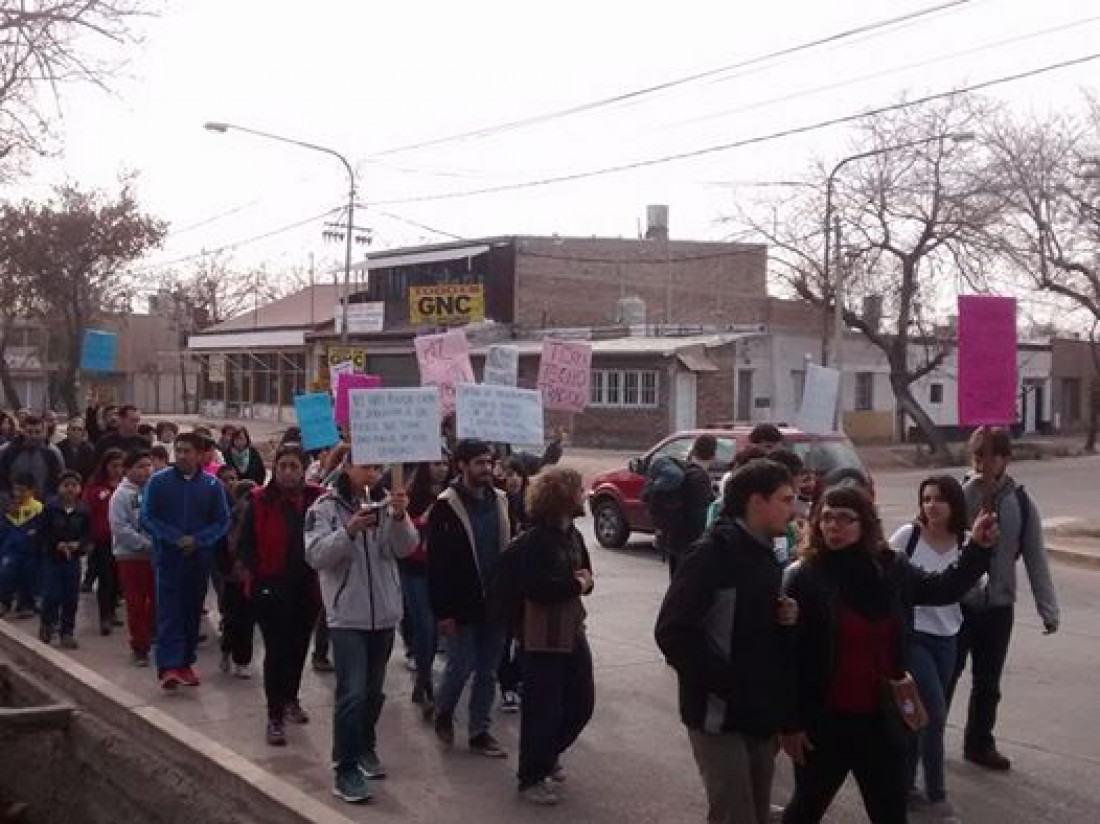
column 633, row 762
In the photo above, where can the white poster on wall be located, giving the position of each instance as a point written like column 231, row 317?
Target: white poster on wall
column 499, row 414
column 501, row 365
column 819, row 399
column 393, row 426
column 363, row 318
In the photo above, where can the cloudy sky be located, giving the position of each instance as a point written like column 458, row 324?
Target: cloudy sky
column 368, row 77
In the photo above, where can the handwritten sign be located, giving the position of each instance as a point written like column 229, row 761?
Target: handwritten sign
column 500, row 414
column 444, row 361
column 501, row 366
column 394, row 426
column 316, row 420
column 347, row 381
column 565, row 373
column 99, row 351
column 817, row 415
column 987, row 360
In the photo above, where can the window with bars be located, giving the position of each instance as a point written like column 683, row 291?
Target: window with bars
column 865, row 391
column 625, row 388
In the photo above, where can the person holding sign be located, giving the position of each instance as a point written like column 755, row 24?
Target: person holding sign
column 354, row 544
column 468, row 529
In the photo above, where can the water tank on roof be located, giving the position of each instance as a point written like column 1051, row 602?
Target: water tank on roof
column 630, row 311
column 656, row 222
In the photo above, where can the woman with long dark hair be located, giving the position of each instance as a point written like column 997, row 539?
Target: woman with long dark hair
column 101, row 562
column 244, row 457
column 281, row 586
column 428, row 482
column 933, row 542
column 855, row 606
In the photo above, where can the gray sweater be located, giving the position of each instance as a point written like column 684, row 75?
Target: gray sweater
column 128, row 540
column 998, row 588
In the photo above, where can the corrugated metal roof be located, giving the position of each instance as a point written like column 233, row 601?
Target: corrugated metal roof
column 291, row 312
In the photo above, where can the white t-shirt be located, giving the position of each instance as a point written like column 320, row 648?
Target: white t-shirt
column 931, row 620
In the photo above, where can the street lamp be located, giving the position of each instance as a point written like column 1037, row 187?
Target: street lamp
column 222, row 128
column 838, row 282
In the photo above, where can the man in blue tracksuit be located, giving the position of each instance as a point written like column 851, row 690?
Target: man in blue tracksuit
column 185, row 513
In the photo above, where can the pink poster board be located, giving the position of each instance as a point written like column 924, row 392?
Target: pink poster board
column 987, row 360
column 444, row 361
column 565, row 374
column 345, row 382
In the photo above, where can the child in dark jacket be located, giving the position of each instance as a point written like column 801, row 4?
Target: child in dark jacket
column 19, row 555
column 65, row 538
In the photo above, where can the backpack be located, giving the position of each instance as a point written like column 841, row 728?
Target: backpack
column 663, row 493
column 504, row 594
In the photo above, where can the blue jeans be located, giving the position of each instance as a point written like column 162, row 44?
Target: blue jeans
column 932, row 664
column 182, row 581
column 476, row 649
column 360, row 657
column 19, row 577
column 422, row 620
column 60, row 594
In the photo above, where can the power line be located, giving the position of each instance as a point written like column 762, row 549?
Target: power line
column 750, row 141
column 629, row 96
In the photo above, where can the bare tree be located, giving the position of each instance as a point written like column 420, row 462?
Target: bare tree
column 45, row 44
column 906, row 204
column 1046, row 176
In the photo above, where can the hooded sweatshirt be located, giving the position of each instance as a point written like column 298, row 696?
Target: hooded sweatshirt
column 128, row 540
column 360, row 583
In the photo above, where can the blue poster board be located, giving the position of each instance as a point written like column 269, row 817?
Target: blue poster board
column 99, row 351
column 317, row 420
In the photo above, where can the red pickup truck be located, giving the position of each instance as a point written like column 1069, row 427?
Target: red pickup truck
column 614, row 497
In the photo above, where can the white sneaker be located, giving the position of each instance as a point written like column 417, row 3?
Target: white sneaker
column 241, row 671
column 541, row 794
column 509, row 701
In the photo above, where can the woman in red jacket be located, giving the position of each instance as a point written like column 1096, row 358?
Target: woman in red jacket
column 282, row 587
column 97, row 496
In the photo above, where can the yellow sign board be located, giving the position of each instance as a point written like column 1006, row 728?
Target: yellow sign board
column 451, row 304
column 340, row 354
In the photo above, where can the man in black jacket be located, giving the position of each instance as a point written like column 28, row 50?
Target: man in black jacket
column 696, row 494
column 126, row 437
column 726, row 630
column 467, row 531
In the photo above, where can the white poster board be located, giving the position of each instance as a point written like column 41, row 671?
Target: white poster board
column 363, row 318
column 499, row 414
column 819, row 397
column 393, row 426
column 501, row 365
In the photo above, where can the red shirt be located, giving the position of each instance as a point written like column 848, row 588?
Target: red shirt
column 98, row 499
column 864, row 650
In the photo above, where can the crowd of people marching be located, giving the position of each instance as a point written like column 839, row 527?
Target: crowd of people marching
column 790, row 620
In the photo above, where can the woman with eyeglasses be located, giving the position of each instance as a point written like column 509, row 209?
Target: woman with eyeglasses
column 855, row 607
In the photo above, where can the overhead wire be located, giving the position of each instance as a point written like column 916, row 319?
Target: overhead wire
column 737, row 144
column 636, row 94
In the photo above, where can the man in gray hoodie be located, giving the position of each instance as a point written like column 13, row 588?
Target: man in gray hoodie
column 988, row 609
column 133, row 551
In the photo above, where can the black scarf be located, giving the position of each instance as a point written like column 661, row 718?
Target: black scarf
column 861, row 581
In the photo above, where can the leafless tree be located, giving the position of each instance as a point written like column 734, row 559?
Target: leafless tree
column 45, row 44
column 906, row 204
column 1046, row 175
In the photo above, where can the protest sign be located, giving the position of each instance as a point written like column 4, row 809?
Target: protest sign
column 987, row 360
column 499, row 414
column 565, row 374
column 444, row 361
column 347, row 381
column 394, row 426
column 99, row 351
column 817, row 415
column 316, row 420
column 501, row 366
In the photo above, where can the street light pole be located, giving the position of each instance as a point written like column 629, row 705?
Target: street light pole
column 222, row 128
column 832, row 225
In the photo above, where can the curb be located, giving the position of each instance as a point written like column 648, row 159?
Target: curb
column 1075, row 557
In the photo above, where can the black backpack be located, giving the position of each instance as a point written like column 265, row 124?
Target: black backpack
column 663, row 493
column 1025, row 522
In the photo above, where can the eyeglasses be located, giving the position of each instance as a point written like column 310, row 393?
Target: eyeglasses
column 839, row 518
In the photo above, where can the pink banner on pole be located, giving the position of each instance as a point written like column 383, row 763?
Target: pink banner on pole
column 444, row 361
column 345, row 382
column 565, row 374
column 987, row 361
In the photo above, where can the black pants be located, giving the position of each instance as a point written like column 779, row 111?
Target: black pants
column 286, row 617
column 510, row 671
column 238, row 623
column 320, row 637
column 872, row 748
column 102, row 563
column 985, row 636
column 559, row 696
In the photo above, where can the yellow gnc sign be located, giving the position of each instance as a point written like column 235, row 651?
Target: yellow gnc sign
column 446, row 304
